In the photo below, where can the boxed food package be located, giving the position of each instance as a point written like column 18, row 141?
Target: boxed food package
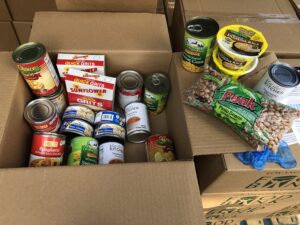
column 114, row 194
column 23, row 30
column 4, row 12
column 267, row 16
column 9, row 40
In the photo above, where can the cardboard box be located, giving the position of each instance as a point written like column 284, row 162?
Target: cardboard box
column 24, row 10
column 169, row 7
column 296, row 5
column 287, row 211
column 4, row 12
column 148, row 6
column 134, row 193
column 223, row 222
column 23, row 30
column 267, row 16
column 9, row 39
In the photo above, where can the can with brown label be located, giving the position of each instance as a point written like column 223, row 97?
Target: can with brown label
column 42, row 116
column 59, row 99
column 47, row 149
column 37, row 69
column 137, row 122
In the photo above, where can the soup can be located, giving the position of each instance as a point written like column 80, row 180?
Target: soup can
column 130, row 87
column 110, row 117
column 84, row 151
column 79, row 112
column 137, row 122
column 157, row 87
column 160, row 148
column 111, row 151
column 110, row 130
column 42, row 116
column 199, row 40
column 47, row 149
column 59, row 99
column 75, row 127
column 37, row 69
column 279, row 81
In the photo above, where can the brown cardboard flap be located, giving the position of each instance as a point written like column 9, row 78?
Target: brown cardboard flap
column 23, row 30
column 133, row 194
column 4, row 12
column 9, row 39
column 122, row 37
column 107, row 6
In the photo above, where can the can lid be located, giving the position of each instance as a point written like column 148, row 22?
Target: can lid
column 28, row 52
column 284, row 75
column 157, row 83
column 130, row 80
column 138, row 136
column 202, row 27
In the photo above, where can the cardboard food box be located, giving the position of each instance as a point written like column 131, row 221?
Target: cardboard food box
column 287, row 211
column 9, row 39
column 148, row 6
column 4, row 12
column 23, row 10
column 169, row 6
column 134, row 193
column 296, row 5
column 23, row 30
column 267, row 16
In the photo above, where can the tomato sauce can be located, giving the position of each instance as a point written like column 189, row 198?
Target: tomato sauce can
column 84, row 151
column 111, row 151
column 79, row 112
column 160, row 148
column 42, row 116
column 37, row 69
column 110, row 130
column 110, row 117
column 130, row 87
column 137, row 122
column 75, row 127
column 59, row 99
column 47, row 149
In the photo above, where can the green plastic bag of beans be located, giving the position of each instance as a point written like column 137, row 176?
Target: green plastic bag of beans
column 255, row 118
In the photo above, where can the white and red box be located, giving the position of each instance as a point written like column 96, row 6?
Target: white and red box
column 97, row 94
column 87, row 63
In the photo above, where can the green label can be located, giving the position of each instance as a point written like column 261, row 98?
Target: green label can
column 157, row 87
column 199, row 40
column 84, row 151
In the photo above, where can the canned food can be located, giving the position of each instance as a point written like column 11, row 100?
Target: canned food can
column 109, row 130
column 160, row 148
column 37, row 69
column 199, row 40
column 279, row 81
column 76, row 127
column 84, row 151
column 42, row 116
column 79, row 112
column 137, row 122
column 59, row 99
column 130, row 86
column 157, row 87
column 47, row 149
column 110, row 117
column 111, row 151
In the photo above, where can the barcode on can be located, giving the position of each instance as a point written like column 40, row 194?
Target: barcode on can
column 108, row 117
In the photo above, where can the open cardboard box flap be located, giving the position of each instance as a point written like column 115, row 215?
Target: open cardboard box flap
column 108, row 6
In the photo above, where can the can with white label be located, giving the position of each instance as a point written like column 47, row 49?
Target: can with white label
column 130, row 86
column 279, row 81
column 59, row 99
column 111, row 151
column 109, row 130
column 137, row 122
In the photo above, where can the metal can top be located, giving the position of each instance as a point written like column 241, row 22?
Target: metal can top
column 47, row 134
column 130, row 80
column 284, row 74
column 157, row 83
column 202, row 27
column 28, row 52
column 138, row 136
column 39, row 111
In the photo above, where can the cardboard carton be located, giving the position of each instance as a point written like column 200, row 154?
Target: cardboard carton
column 287, row 211
column 150, row 6
column 23, row 10
column 267, row 16
column 169, row 6
column 9, row 39
column 4, row 12
column 23, row 30
column 296, row 5
column 134, row 193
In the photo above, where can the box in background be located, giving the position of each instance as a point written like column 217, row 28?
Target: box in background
column 4, row 12
column 169, row 9
column 23, row 30
column 296, row 5
column 9, row 39
column 24, row 10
